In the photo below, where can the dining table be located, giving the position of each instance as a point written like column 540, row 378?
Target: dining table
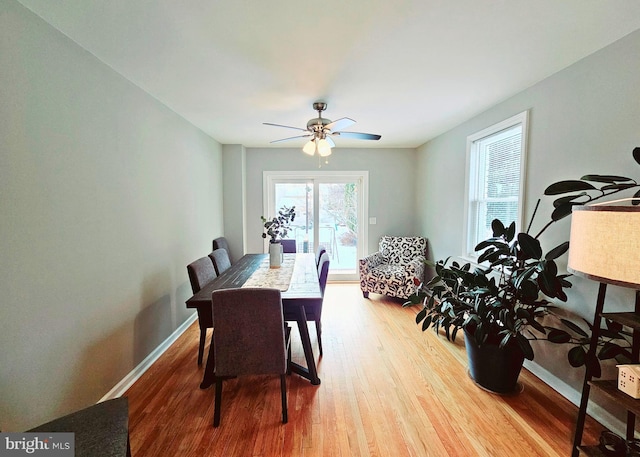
column 300, row 291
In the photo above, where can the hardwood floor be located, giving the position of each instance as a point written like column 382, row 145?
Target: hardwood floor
column 387, row 390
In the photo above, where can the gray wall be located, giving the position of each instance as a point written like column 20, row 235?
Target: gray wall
column 391, row 186
column 234, row 164
column 106, row 195
column 584, row 119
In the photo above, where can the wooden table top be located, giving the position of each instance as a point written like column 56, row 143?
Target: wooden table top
column 304, row 280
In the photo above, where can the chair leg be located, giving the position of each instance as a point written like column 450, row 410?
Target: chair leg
column 319, row 333
column 365, row 294
column 283, row 389
column 203, row 338
column 288, row 344
column 218, row 400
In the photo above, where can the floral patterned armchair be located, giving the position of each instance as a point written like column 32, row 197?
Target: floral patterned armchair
column 391, row 271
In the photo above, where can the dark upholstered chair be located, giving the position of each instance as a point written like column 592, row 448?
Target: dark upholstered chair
column 395, row 267
column 200, row 273
column 288, row 246
column 101, row 430
column 316, row 314
column 221, row 243
column 245, row 345
column 321, row 250
column 220, row 259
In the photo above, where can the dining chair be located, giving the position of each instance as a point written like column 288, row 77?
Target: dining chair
column 321, row 250
column 200, row 273
column 323, row 274
column 245, row 345
column 288, row 246
column 220, row 259
column 221, row 243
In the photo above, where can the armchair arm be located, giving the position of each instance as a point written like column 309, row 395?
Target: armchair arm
column 415, row 267
column 370, row 261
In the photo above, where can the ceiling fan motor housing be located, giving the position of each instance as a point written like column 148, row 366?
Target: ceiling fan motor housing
column 317, row 124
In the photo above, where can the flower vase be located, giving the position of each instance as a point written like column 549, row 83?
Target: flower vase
column 275, row 255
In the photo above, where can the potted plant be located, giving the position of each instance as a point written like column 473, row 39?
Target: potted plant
column 500, row 306
column 497, row 306
column 276, row 229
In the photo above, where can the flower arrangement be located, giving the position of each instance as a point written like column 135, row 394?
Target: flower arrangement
column 278, row 227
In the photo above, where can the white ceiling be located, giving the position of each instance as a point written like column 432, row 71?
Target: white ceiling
column 406, row 69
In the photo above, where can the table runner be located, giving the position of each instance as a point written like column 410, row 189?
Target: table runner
column 277, row 278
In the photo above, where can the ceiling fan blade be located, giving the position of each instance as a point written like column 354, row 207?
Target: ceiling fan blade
column 340, row 124
column 285, row 126
column 359, row 136
column 331, row 142
column 291, row 138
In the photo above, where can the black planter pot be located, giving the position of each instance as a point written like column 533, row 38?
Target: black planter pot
column 493, row 368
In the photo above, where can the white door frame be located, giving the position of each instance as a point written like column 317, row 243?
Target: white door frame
column 269, row 178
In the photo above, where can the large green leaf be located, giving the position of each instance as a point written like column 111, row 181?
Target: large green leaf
column 557, row 251
column 497, row 227
column 605, row 178
column 529, row 292
column 562, row 211
column 562, row 187
column 609, row 351
column 526, row 274
column 426, row 323
column 421, row 315
column 511, row 232
column 567, row 199
column 574, row 327
column 618, row 187
column 525, row 346
column 529, row 246
column 499, row 244
column 577, row 356
column 558, row 336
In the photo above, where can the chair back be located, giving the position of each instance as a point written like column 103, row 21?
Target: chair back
column 221, row 243
column 244, row 344
column 288, row 246
column 323, row 271
column 321, row 250
column 200, row 272
column 400, row 250
column 220, row 259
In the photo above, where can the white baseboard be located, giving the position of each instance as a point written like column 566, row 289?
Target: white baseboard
column 597, row 412
column 126, row 382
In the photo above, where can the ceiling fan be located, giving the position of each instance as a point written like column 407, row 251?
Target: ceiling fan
column 320, row 130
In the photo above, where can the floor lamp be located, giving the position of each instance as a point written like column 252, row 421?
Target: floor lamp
column 604, row 246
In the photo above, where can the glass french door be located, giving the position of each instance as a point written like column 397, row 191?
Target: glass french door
column 330, row 210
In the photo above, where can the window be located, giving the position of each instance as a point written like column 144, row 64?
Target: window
column 495, row 179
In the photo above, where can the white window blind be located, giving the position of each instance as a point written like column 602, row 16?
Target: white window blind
column 495, row 170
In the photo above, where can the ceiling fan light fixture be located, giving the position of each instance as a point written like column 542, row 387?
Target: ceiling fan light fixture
column 310, row 147
column 324, row 148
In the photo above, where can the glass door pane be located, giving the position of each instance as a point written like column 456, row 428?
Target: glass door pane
column 338, row 224
column 300, row 195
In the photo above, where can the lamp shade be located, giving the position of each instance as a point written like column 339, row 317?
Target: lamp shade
column 324, row 148
column 309, row 147
column 604, row 244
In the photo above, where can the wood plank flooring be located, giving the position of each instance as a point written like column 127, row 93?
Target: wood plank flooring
column 387, row 390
